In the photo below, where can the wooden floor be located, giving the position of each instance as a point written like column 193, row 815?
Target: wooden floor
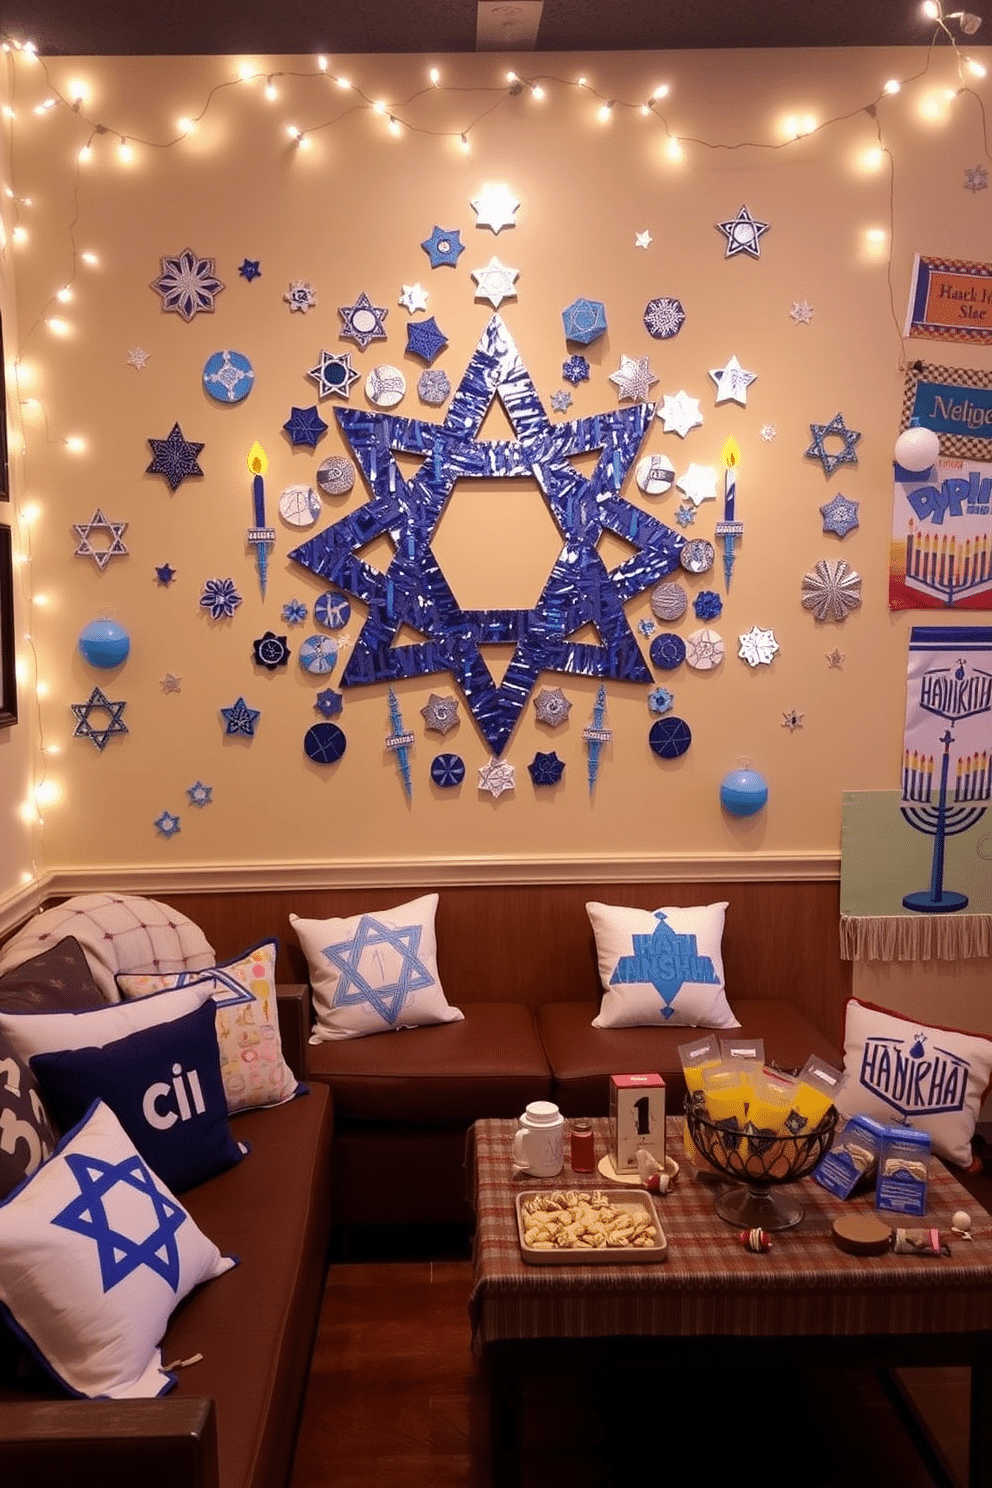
column 397, row 1400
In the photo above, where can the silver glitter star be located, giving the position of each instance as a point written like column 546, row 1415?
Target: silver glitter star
column 801, row 312
column 171, row 683
column 552, row 706
column 792, row 720
column 440, row 713
column 634, row 378
column 137, row 357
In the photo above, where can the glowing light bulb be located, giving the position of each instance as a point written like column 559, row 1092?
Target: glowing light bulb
column 605, row 113
column 378, row 106
column 271, row 91
column 674, row 150
column 511, row 77
column 57, row 325
column 76, row 444
column 344, row 82
column 46, row 793
column 42, row 689
column 872, row 158
column 7, row 112
column 90, row 259
column 537, row 92
column 41, row 600
column 322, row 63
column 29, row 513
column 85, row 155
column 975, row 68
column 246, row 72
column 64, row 295
column 464, row 142
column 582, row 82
column 892, row 86
column 186, row 126
column 125, row 154
column 19, row 234
column 79, row 93
column 434, row 76
column 395, row 127
column 931, row 10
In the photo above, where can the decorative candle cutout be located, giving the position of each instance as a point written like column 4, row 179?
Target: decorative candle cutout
column 729, row 529
column 259, row 537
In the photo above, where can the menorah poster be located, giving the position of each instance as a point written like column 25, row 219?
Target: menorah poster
column 941, row 552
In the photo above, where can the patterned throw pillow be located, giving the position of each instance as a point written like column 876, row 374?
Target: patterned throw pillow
column 95, row 1253
column 661, row 967
column 26, row 1135
column 374, row 972
column 57, row 980
column 934, row 1078
column 118, row 932
column 244, row 990
column 164, row 1086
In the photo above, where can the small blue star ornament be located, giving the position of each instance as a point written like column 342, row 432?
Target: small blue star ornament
column 328, row 703
column 249, row 268
column 305, row 426
column 99, row 733
column 165, row 574
column 174, row 457
column 167, row 825
column 425, row 339
column 240, row 720
column 334, row 373
column 832, row 458
column 200, row 794
column 443, row 247
column 187, row 284
column 575, row 370
column 840, row 515
column 546, row 769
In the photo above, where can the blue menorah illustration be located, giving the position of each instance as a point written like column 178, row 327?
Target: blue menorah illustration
column 950, row 694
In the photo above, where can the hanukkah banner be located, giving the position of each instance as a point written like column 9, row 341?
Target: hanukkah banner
column 955, row 402
column 948, row 737
column 940, row 557
column 950, row 299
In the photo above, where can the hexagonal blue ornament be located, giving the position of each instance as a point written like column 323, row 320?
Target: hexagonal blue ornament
column 584, row 321
column 104, row 643
column 743, row 792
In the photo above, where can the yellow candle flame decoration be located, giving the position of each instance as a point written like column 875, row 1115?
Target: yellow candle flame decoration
column 731, row 453
column 257, row 463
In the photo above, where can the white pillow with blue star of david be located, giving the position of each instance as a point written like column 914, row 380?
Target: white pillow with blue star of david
column 374, row 972
column 95, row 1253
column 662, row 966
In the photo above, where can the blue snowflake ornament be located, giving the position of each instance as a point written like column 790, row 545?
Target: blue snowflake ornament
column 221, row 598
column 660, row 700
column 294, row 612
column 575, row 370
column 362, row 322
column 167, row 824
column 840, row 515
column 707, row 604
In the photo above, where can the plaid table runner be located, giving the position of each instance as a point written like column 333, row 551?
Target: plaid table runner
column 709, row 1283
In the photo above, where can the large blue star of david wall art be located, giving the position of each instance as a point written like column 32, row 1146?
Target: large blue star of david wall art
column 413, row 592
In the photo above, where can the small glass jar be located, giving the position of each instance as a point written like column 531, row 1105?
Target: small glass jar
column 582, row 1146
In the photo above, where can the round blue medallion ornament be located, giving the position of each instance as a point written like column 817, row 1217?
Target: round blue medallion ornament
column 670, row 737
column 667, row 651
column 332, row 610
column 318, row 655
column 228, row 376
column 743, row 792
column 104, row 643
column 447, row 770
column 325, row 743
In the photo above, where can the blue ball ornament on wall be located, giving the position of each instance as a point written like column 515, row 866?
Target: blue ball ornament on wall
column 104, row 643
column 743, row 792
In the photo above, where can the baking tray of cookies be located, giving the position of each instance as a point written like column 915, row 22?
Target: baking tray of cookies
column 588, row 1227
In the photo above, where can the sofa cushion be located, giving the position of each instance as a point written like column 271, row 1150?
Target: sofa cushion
column 26, row 1134
column 661, row 967
column 582, row 1058
column 163, row 1084
column 95, row 1253
column 41, row 1033
column 56, row 980
column 488, row 1064
column 244, row 993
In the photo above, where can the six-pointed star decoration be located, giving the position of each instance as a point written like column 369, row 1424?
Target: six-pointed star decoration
column 165, row 574
column 440, row 714
column 495, row 282
column 380, row 966
column 200, row 794
column 137, row 357
column 334, row 373
column 425, row 339
column 546, row 769
column 801, row 312
column 497, row 776
column 757, row 646
column 363, row 322
column 443, row 247
column 413, row 593
column 174, row 457
column 743, row 234
column 249, row 268
column 831, row 458
column 98, row 702
column 698, row 483
column 633, row 378
column 413, row 297
column 840, row 515
column 187, row 284
column 495, row 207
column 240, row 719
column 732, row 382
column 167, row 824
column 679, row 413
column 99, row 523
column 305, row 426
column 551, row 706
column 90, row 1214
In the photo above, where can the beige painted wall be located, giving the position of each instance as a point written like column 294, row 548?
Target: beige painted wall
column 349, row 215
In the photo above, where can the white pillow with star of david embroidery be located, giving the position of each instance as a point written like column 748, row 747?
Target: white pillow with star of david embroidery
column 662, row 966
column 95, row 1253
column 374, row 972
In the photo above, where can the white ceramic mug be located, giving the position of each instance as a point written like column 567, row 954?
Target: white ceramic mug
column 538, row 1142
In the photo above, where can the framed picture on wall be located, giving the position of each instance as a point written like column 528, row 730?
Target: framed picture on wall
column 8, row 679
column 4, row 467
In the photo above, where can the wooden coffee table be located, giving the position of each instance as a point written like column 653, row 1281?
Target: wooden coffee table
column 892, row 1311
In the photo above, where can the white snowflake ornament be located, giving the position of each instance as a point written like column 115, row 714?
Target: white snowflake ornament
column 679, row 413
column 757, row 646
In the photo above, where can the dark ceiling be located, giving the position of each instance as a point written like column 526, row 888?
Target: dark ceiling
column 107, row 27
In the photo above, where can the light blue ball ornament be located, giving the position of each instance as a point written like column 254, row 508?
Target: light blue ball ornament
column 743, row 792
column 104, row 643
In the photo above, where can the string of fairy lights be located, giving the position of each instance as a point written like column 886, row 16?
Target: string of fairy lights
column 102, row 140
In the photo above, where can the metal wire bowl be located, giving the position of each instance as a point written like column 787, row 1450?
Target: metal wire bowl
column 758, row 1163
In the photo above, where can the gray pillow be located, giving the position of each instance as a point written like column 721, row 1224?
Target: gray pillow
column 57, row 980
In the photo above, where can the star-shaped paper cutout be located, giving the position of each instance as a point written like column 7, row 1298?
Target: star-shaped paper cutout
column 835, row 659
column 801, row 312
column 156, row 1222
column 305, row 426
column 443, row 247
column 171, row 683
column 698, row 483
column 200, row 794
column 643, row 239
column 85, row 727
column 732, row 382
column 976, row 178
column 440, row 714
column 685, row 515
column 187, row 284
column 546, row 769
column 757, row 647
column 165, row 574
column 425, row 339
column 561, row 400
column 328, row 703
column 495, row 282
column 768, row 432
column 495, row 207
column 137, row 357
column 413, row 297
column 174, row 457
column 99, row 523
column 300, row 296
column 334, row 373
column 743, row 234
column 249, row 269
column 167, row 824
column 840, row 515
column 379, row 966
column 792, row 720
column 496, row 776
column 240, row 719
column 551, row 706
column 831, row 459
column 580, row 591
column 679, row 413
column 634, row 378
column 363, row 322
